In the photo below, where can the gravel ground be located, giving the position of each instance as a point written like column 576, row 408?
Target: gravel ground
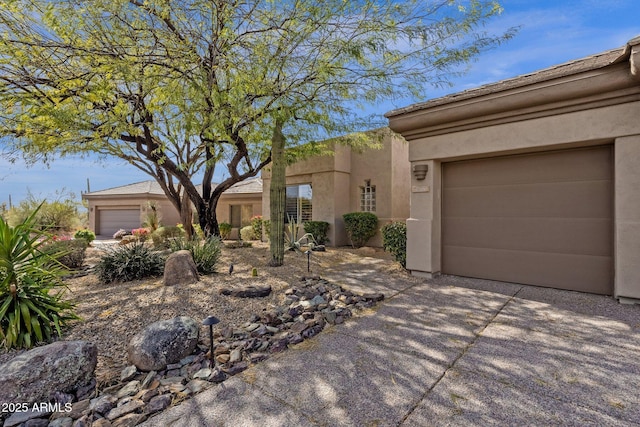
column 112, row 313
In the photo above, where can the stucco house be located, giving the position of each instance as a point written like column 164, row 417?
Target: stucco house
column 323, row 188
column 533, row 180
column 126, row 206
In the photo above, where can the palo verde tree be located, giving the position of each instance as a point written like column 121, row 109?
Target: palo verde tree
column 178, row 87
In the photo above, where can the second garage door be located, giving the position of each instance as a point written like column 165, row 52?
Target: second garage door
column 540, row 219
column 111, row 220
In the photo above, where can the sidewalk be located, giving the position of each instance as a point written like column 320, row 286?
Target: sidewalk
column 448, row 351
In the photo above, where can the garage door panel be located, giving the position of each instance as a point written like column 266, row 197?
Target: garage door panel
column 542, row 219
column 570, row 165
column 555, row 235
column 573, row 272
column 532, row 200
column 111, row 220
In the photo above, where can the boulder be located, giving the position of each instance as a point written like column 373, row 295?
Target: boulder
column 164, row 342
column 36, row 375
column 180, row 269
column 247, row 291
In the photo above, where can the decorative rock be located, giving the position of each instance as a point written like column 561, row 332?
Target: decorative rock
column 279, row 345
column 103, row 404
column 37, row 422
column 100, row 422
column 217, row 376
column 179, row 269
column 78, row 408
column 124, row 409
column 63, row 422
column 196, row 386
column 223, row 358
column 85, row 392
column 163, row 342
column 148, row 379
column 158, row 403
column 84, row 421
column 295, row 339
column 235, row 355
column 298, row 327
column 203, row 373
column 34, row 376
column 258, row 357
column 374, row 297
column 247, row 291
column 147, row 395
column 18, row 418
column 128, row 373
column 129, row 389
column 236, row 368
column 172, row 380
column 129, row 420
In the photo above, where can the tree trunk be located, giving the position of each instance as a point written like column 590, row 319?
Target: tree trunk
column 277, row 193
column 207, row 217
column 186, row 215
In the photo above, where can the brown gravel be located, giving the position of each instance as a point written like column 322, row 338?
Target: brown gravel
column 112, row 313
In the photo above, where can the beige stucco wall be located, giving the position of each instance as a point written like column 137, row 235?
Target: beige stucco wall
column 336, row 182
column 612, row 118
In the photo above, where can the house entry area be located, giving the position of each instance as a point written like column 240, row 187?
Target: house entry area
column 541, row 219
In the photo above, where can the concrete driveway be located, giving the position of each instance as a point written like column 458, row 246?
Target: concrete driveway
column 448, row 351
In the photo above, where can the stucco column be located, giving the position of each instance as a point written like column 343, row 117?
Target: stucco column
column 627, row 218
column 423, row 226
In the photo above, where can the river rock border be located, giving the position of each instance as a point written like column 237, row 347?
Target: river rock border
column 313, row 305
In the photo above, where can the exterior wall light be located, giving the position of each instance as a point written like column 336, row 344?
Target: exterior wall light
column 210, row 321
column 420, row 171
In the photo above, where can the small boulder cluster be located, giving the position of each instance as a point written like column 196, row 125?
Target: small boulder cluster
column 168, row 364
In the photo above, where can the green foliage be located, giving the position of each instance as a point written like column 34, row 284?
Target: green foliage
column 152, row 217
column 58, row 215
column 32, row 307
column 87, row 235
column 394, row 241
column 225, row 230
column 294, row 239
column 205, row 253
column 161, row 78
column 162, row 237
column 318, row 229
column 70, row 253
column 247, row 233
column 360, row 226
column 256, row 224
column 129, row 262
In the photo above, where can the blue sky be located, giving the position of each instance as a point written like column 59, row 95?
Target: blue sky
column 552, row 32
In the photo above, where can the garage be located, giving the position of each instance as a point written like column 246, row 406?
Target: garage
column 112, row 220
column 542, row 219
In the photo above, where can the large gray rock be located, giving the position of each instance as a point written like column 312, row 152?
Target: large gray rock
column 163, row 343
column 34, row 376
column 179, row 269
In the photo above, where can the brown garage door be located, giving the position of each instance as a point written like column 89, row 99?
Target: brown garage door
column 111, row 220
column 540, row 219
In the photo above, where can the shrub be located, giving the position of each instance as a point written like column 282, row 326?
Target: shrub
column 256, row 224
column 59, row 215
column 121, row 233
column 205, row 253
column 318, row 229
column 88, row 235
column 360, row 226
column 394, row 241
column 69, row 253
column 225, row 230
column 129, row 262
column 152, row 217
column 30, row 308
column 246, row 233
column 162, row 236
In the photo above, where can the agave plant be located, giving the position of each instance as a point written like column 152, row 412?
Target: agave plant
column 293, row 240
column 31, row 289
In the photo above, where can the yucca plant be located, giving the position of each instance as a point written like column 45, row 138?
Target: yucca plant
column 31, row 289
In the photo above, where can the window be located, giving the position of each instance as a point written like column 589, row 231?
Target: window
column 298, row 204
column 241, row 215
column 368, row 197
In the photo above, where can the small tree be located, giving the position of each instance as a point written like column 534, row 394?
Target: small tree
column 394, row 241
